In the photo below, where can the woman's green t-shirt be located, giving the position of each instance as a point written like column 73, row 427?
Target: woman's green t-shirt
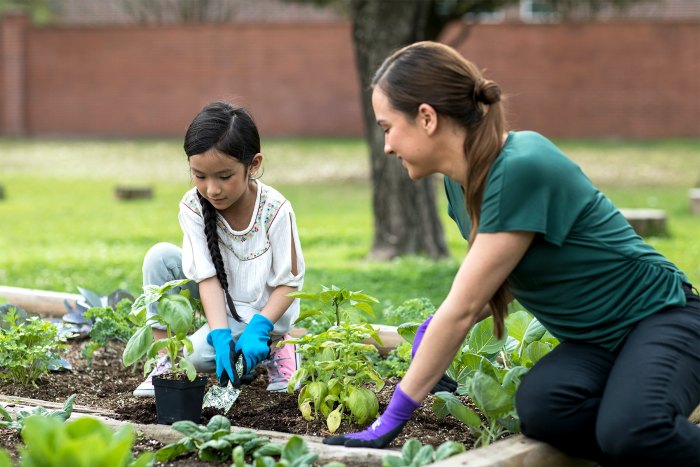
column 587, row 275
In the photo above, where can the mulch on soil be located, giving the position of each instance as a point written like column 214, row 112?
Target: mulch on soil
column 108, row 385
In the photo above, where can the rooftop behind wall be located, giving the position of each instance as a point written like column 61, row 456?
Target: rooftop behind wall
column 610, row 79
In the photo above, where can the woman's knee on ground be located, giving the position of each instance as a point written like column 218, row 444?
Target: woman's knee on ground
column 537, row 416
column 634, row 436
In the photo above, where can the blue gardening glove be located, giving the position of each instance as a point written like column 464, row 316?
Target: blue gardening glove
column 446, row 383
column 221, row 339
column 385, row 428
column 254, row 343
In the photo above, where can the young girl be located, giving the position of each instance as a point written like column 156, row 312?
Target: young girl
column 240, row 249
column 620, row 386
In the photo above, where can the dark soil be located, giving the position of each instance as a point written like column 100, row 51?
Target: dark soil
column 108, row 385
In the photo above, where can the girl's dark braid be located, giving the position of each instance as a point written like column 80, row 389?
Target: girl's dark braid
column 209, row 213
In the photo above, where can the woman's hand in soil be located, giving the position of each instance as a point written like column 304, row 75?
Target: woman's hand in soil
column 385, row 428
column 254, row 342
column 221, row 339
column 446, row 383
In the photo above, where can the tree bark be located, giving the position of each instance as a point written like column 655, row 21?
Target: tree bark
column 405, row 213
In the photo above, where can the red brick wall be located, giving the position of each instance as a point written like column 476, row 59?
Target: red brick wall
column 296, row 80
column 628, row 80
column 632, row 80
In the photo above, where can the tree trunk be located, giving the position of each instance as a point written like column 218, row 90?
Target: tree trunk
column 405, row 213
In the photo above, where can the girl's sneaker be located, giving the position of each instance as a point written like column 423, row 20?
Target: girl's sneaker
column 145, row 389
column 281, row 365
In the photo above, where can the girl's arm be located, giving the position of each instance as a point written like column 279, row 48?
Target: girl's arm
column 212, row 296
column 490, row 260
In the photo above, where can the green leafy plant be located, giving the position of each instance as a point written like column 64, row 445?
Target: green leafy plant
column 177, row 313
column 411, row 310
column 17, row 424
column 396, row 362
column 414, row 454
column 336, row 364
column 86, row 441
column 4, row 459
column 489, row 370
column 110, row 324
column 216, row 443
column 29, row 346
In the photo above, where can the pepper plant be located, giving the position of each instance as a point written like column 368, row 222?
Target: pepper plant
column 489, row 370
column 176, row 312
column 336, row 364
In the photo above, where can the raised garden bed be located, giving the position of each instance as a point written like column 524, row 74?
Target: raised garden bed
column 105, row 390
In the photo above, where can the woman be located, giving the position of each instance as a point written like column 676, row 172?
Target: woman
column 619, row 387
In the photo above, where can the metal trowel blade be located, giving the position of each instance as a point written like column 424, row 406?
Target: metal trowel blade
column 221, row 397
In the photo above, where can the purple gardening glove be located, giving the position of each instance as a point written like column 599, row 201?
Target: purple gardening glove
column 446, row 383
column 385, row 428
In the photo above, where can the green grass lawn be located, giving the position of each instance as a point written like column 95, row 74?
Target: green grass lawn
column 61, row 226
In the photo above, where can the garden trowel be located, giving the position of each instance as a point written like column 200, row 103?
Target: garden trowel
column 223, row 395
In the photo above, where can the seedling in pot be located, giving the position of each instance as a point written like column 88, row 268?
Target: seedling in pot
column 176, row 313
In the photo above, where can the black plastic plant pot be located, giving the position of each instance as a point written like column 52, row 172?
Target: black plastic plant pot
column 178, row 399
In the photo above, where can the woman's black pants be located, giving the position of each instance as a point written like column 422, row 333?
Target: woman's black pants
column 625, row 408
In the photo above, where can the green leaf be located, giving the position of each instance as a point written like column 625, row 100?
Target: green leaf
column 171, row 451
column 362, row 404
column 512, row 379
column 294, row 448
column 517, row 323
column 191, row 429
column 409, row 450
column 334, row 419
column 177, row 313
column 219, row 422
column 93, row 299
column 362, row 297
column 448, row 449
column 304, row 461
column 189, row 369
column 308, row 313
column 446, row 402
column 265, row 461
column 535, row 331
column 424, row 456
column 303, row 295
column 408, row 331
column 482, row 340
column 392, row 461
column 365, row 307
column 305, row 409
column 537, row 350
column 67, row 408
column 238, row 455
column 5, row 414
column 270, row 449
column 137, row 346
column 240, row 436
column 216, row 445
column 492, row 399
